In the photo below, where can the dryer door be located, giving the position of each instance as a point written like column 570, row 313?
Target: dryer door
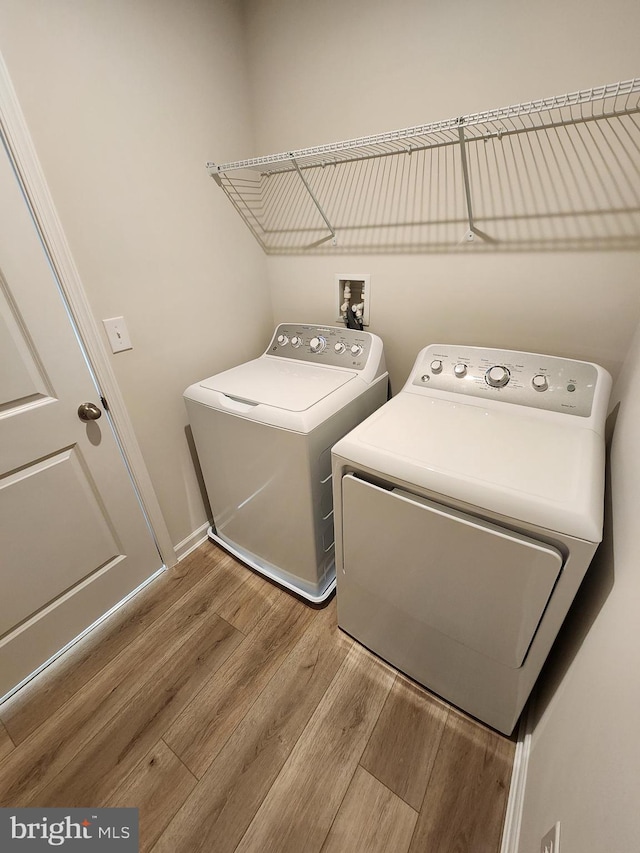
column 480, row 585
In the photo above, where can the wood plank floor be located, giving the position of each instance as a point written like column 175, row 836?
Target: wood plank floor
column 236, row 717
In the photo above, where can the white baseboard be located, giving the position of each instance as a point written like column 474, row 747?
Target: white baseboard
column 515, row 803
column 184, row 548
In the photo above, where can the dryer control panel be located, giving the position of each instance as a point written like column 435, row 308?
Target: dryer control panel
column 336, row 346
column 528, row 379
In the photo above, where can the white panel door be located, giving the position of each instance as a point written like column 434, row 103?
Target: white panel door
column 74, row 539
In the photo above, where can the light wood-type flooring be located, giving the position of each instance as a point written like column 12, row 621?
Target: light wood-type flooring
column 238, row 718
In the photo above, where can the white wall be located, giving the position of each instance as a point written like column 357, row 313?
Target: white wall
column 335, row 69
column 338, row 69
column 325, row 70
column 580, row 306
column 126, row 101
column 585, row 749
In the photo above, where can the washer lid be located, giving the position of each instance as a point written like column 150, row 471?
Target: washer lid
column 505, row 460
column 278, row 383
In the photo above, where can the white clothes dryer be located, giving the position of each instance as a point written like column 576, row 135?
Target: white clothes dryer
column 467, row 510
column 263, row 433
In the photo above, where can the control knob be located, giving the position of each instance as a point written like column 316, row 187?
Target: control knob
column 283, row 340
column 460, row 370
column 436, row 366
column 340, row 347
column 356, row 350
column 296, row 341
column 318, row 344
column 497, row 376
column 540, row 382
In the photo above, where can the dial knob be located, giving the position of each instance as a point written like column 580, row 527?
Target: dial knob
column 540, row 382
column 436, row 366
column 283, row 340
column 355, row 350
column 296, row 341
column 318, row 344
column 340, row 348
column 497, row 376
column 460, row 370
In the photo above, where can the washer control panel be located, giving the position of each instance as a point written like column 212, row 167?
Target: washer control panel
column 333, row 345
column 539, row 381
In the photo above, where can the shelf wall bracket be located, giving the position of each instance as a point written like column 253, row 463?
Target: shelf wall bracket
column 472, row 232
column 240, row 205
column 332, row 233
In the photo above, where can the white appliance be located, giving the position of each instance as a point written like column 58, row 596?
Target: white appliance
column 263, row 432
column 468, row 509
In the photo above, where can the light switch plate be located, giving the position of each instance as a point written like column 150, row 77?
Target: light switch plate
column 118, row 334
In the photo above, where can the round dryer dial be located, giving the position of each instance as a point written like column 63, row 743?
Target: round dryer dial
column 356, row 350
column 283, row 340
column 318, row 344
column 497, row 376
column 296, row 341
column 540, row 382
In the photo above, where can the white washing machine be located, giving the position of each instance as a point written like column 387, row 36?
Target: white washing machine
column 263, row 432
column 468, row 509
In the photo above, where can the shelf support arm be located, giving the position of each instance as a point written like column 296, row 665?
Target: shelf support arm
column 473, row 232
column 332, row 233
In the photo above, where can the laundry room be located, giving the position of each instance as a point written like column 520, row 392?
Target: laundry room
column 133, row 126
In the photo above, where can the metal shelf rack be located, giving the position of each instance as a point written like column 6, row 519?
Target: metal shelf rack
column 557, row 173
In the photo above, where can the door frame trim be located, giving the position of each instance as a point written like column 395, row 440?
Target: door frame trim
column 14, row 128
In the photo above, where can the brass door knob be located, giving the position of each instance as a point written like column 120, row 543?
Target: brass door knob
column 89, row 412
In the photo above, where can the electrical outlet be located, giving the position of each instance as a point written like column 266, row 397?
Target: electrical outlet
column 354, row 289
column 551, row 841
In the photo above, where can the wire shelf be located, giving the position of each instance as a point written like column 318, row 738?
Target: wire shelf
column 561, row 172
